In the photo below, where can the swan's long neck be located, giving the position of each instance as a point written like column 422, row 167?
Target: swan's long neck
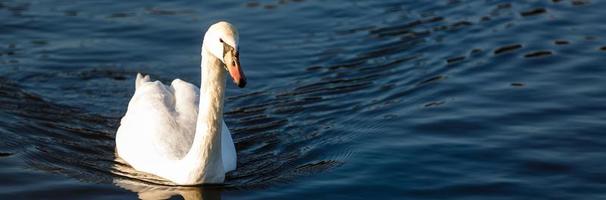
column 205, row 157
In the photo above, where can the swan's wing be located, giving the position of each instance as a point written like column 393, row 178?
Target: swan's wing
column 228, row 149
column 152, row 126
column 187, row 97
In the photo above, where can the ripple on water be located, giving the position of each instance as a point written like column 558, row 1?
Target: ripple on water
column 89, row 140
column 518, row 84
column 538, row 54
column 455, row 59
column 532, row 12
column 507, row 48
column 561, row 42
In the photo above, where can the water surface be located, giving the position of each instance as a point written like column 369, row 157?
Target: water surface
column 454, row 99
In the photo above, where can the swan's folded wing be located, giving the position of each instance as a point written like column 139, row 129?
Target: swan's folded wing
column 187, row 97
column 149, row 121
column 152, row 97
column 228, row 149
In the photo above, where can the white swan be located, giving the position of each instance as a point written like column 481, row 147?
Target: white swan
column 177, row 132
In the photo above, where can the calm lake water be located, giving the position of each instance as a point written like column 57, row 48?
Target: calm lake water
column 364, row 99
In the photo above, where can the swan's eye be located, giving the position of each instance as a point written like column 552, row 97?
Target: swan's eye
column 220, row 40
column 233, row 63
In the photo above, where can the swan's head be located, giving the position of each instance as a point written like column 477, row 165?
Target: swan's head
column 221, row 40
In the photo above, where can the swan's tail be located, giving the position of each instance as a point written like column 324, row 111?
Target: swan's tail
column 141, row 79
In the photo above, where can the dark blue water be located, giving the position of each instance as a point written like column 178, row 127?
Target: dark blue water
column 363, row 99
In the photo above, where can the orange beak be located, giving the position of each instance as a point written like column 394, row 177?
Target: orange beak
column 236, row 72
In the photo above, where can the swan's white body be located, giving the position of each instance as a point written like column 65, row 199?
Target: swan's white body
column 177, row 132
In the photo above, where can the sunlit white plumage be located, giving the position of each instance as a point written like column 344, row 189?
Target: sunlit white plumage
column 177, row 132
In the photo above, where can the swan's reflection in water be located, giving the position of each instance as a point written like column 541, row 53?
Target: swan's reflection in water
column 149, row 186
column 165, row 192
